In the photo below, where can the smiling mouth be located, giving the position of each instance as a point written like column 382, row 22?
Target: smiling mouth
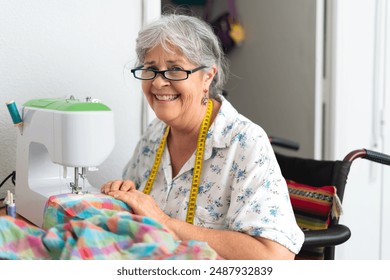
column 166, row 97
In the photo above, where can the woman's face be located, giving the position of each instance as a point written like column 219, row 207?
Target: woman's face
column 177, row 103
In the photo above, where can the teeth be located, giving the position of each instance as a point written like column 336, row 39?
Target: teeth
column 166, row 97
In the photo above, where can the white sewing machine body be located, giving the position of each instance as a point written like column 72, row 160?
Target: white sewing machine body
column 59, row 138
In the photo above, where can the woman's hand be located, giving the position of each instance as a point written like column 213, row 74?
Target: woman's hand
column 123, row 185
column 140, row 203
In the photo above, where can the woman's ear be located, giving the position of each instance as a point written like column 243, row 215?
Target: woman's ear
column 209, row 75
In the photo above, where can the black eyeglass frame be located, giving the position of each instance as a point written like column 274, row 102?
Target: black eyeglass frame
column 162, row 72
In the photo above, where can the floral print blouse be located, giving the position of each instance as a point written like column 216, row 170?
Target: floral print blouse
column 241, row 186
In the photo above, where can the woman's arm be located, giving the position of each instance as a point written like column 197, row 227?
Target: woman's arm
column 231, row 244
column 228, row 244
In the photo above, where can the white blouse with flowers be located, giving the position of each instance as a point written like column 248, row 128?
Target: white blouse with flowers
column 241, row 186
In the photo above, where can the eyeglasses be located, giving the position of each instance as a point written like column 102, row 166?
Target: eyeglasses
column 172, row 75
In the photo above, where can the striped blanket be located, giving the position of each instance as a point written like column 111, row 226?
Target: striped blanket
column 94, row 226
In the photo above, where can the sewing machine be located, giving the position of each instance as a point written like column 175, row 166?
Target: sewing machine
column 61, row 139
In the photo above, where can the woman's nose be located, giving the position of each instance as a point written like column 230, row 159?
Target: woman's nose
column 159, row 81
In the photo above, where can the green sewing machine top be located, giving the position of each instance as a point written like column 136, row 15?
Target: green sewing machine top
column 69, row 105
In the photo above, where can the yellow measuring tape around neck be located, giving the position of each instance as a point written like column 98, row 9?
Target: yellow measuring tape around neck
column 197, row 167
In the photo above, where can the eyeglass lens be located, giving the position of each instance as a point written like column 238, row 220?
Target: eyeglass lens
column 169, row 74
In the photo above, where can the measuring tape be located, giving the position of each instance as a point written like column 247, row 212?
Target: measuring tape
column 200, row 146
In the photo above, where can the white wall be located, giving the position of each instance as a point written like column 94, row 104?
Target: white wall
column 385, row 253
column 357, row 96
column 71, row 47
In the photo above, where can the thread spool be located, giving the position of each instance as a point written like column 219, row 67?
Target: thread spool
column 10, row 205
column 13, row 111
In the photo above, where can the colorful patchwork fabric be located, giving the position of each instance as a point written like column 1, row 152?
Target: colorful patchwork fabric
column 90, row 232
column 62, row 208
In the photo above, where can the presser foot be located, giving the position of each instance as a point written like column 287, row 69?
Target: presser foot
column 76, row 189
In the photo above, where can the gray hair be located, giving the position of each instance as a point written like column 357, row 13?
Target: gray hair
column 193, row 37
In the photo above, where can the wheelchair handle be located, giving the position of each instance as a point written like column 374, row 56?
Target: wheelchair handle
column 369, row 155
column 284, row 143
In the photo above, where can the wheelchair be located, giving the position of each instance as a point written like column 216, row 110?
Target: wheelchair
column 320, row 243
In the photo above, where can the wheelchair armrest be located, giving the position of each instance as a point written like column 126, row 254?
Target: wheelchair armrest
column 334, row 235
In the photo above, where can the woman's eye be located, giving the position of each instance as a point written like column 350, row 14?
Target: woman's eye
column 175, row 68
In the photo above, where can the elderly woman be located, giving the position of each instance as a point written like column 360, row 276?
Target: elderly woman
column 201, row 169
